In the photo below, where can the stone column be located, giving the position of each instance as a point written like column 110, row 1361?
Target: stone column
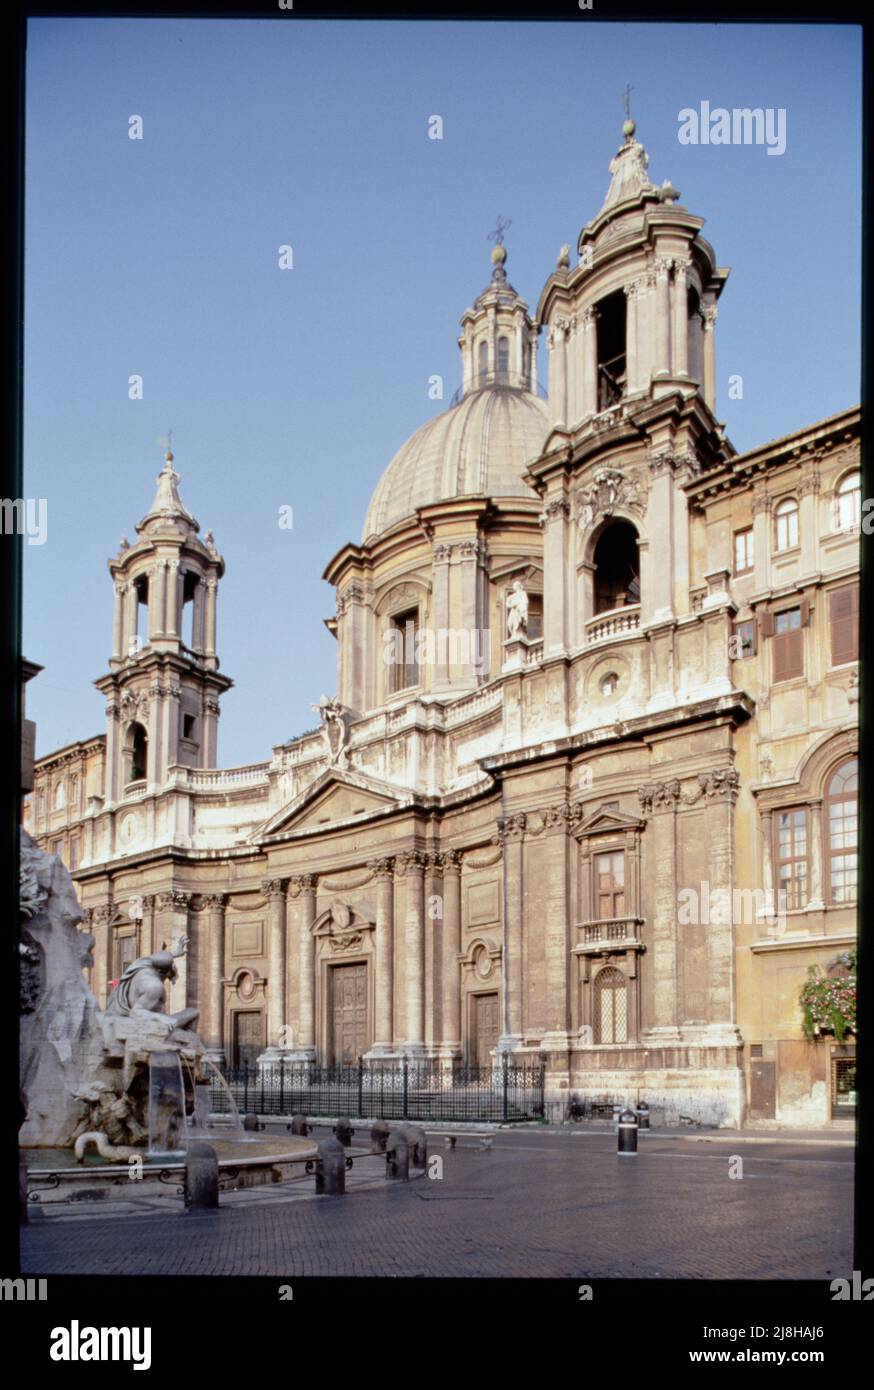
column 556, row 922
column 709, row 315
column 130, row 619
column 721, row 793
column 172, row 923
column 210, row 710
column 158, row 600
column 153, row 752
column 574, row 361
column 657, row 594
column 808, row 522
column 170, row 726
column 274, row 892
column 119, row 651
column 815, row 901
column 171, row 606
column 761, row 509
column 114, row 752
column 558, row 370
column 433, row 933
column 211, row 591
column 555, row 519
column 450, row 1030
column 411, row 866
column 215, row 931
column 632, row 338
column 680, row 318
column 383, row 964
column 511, row 830
column 532, row 358
column 197, row 623
column 662, row 325
column 470, row 553
column 771, row 904
column 303, row 887
column 589, row 322
column 660, row 801
column 440, row 602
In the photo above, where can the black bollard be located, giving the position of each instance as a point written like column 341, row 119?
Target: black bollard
column 201, row 1178
column 379, row 1132
column 344, row 1131
column 22, row 1190
column 643, row 1116
column 627, row 1143
column 397, row 1157
column 331, row 1169
column 299, row 1125
column 417, row 1145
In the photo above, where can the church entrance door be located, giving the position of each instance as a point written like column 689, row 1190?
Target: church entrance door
column 349, row 1013
column 486, row 1028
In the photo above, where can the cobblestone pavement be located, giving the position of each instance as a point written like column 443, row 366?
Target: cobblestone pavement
column 534, row 1205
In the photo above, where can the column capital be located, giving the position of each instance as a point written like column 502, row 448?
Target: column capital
column 274, row 888
column 410, row 861
column 213, row 902
column 302, row 886
column 511, row 827
column 382, row 869
column 659, row 796
column 450, row 861
column 173, row 900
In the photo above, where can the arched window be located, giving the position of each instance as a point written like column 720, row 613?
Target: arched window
column 841, row 831
column 136, row 749
column 503, row 356
column 848, row 502
column 786, row 524
column 617, row 568
column 611, row 1006
column 60, row 796
column 483, row 366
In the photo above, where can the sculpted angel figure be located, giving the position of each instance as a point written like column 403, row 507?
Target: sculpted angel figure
column 334, row 729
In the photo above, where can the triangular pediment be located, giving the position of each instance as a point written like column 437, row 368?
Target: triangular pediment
column 604, row 821
column 334, row 798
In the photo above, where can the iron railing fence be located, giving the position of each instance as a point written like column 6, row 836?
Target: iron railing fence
column 403, row 1091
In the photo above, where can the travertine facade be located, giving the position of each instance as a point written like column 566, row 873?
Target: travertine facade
column 595, row 709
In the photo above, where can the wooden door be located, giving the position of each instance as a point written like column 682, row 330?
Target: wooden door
column 486, row 1028
column 349, row 1013
column 763, row 1087
column 248, row 1040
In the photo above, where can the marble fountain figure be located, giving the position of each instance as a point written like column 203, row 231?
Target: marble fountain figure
column 131, row 1081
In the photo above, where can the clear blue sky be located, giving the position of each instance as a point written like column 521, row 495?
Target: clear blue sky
column 159, row 257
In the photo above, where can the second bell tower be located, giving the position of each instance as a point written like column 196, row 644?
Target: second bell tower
column 163, row 686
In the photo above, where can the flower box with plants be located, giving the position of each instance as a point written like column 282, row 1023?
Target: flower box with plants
column 828, row 1002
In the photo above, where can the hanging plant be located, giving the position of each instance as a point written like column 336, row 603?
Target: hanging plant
column 828, row 1002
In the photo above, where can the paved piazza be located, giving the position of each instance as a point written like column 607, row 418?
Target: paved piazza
column 535, row 1205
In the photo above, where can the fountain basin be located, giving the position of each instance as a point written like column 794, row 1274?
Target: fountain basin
column 53, row 1175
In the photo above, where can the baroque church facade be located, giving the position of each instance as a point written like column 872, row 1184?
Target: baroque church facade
column 586, row 790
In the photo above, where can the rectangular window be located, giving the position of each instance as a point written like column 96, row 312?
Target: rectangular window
column 609, row 870
column 125, row 953
column 843, row 613
column 405, row 667
column 744, row 640
column 743, row 551
column 791, row 852
column 188, row 724
column 535, row 617
column 842, row 843
column 788, row 648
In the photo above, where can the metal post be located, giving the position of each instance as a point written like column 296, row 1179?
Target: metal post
column 360, row 1085
column 245, row 1086
column 505, row 1077
column 263, row 1070
column 282, row 1085
column 406, row 1085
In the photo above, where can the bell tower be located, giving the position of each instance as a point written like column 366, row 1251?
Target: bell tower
column 634, row 319
column 163, row 686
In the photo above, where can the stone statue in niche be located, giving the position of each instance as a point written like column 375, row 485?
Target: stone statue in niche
column 517, row 611
column 334, row 730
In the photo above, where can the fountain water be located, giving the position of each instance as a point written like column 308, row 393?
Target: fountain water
column 167, row 1120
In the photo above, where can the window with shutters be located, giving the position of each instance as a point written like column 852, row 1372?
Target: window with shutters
column 791, row 853
column 609, row 884
column 405, row 674
column 843, row 612
column 848, row 502
column 744, row 634
column 841, row 825
column 786, row 524
column 743, row 551
column 788, row 644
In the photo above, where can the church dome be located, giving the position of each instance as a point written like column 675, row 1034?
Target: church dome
column 479, row 447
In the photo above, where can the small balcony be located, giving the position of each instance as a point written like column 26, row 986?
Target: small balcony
column 617, row 622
